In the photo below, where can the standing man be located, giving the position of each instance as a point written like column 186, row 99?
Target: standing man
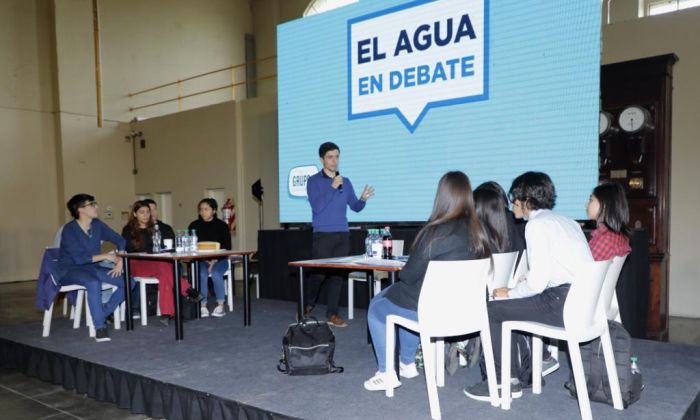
column 329, row 195
column 166, row 231
column 556, row 250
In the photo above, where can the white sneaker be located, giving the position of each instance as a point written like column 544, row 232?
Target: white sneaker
column 381, row 381
column 408, row 371
column 218, row 311
column 204, row 312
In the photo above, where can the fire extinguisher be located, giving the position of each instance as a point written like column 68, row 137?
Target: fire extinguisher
column 229, row 214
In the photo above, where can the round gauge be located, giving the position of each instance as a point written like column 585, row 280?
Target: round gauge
column 604, row 123
column 634, row 118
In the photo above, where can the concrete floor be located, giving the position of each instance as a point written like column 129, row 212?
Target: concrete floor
column 25, row 398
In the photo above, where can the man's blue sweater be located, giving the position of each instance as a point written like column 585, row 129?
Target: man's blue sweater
column 328, row 205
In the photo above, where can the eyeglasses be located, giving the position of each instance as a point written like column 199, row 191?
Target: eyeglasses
column 90, row 204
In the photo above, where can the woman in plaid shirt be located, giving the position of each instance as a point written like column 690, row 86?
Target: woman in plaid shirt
column 608, row 206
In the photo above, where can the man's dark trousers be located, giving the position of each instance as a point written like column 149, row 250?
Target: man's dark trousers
column 327, row 245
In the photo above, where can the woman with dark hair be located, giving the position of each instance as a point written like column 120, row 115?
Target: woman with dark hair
column 138, row 234
column 608, row 207
column 499, row 222
column 81, row 261
column 209, row 228
column 452, row 233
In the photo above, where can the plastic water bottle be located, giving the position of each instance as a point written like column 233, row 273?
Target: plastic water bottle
column 376, row 244
column 179, row 242
column 368, row 244
column 387, row 244
column 634, row 367
column 186, row 241
column 193, row 240
column 156, row 239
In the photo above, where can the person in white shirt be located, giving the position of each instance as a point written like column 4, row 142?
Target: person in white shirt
column 556, row 250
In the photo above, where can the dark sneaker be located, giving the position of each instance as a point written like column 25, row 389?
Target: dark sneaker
column 337, row 321
column 480, row 391
column 549, row 365
column 165, row 320
column 109, row 320
column 102, row 335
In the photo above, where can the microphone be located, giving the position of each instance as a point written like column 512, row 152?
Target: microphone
column 340, row 187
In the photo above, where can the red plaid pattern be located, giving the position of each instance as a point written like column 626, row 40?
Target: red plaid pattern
column 606, row 244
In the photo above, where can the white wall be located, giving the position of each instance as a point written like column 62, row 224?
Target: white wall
column 677, row 33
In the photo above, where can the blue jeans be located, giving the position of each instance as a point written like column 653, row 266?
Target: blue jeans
column 379, row 309
column 92, row 277
column 217, row 277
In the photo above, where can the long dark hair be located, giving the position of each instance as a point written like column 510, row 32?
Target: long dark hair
column 493, row 217
column 614, row 210
column 135, row 227
column 453, row 201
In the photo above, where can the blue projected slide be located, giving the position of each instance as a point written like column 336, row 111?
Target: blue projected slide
column 412, row 89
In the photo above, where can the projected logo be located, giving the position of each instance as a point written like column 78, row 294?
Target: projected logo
column 407, row 59
column 296, row 183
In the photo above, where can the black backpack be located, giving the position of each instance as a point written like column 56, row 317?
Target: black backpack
column 596, row 374
column 308, row 348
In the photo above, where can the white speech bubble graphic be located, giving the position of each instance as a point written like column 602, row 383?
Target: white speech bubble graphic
column 407, row 59
column 296, row 182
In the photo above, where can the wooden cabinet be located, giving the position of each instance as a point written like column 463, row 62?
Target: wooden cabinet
column 641, row 161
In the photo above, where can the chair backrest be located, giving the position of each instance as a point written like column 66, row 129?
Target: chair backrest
column 453, row 297
column 520, row 269
column 583, row 314
column 606, row 295
column 397, row 247
column 503, row 267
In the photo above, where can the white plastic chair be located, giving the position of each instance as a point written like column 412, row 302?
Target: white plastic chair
column 608, row 295
column 521, row 269
column 503, row 269
column 143, row 281
column 452, row 302
column 361, row 276
column 228, row 283
column 76, row 310
column 584, row 320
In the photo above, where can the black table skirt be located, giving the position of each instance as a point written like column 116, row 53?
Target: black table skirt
column 278, row 281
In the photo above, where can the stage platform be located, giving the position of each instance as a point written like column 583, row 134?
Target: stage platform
column 225, row 371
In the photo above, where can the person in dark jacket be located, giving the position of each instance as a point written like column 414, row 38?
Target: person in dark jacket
column 452, row 233
column 81, row 258
column 209, row 228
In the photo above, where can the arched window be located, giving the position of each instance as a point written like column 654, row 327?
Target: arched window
column 320, row 6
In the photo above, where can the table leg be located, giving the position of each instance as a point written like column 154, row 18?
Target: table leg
column 370, row 295
column 194, row 268
column 178, row 312
column 246, row 292
column 300, row 308
column 127, row 296
column 392, row 277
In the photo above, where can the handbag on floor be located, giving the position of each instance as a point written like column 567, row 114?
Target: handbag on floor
column 308, row 348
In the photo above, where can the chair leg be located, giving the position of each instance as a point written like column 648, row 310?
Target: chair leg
column 229, row 285
column 118, row 317
column 158, row 303
column 611, row 367
column 390, row 353
column 377, row 286
column 490, row 364
column 88, row 318
column 430, row 375
column 143, row 302
column 505, row 367
column 79, row 300
column 584, row 403
column 536, row 360
column 440, row 362
column 48, row 314
column 351, row 298
column 257, row 285
column 65, row 306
